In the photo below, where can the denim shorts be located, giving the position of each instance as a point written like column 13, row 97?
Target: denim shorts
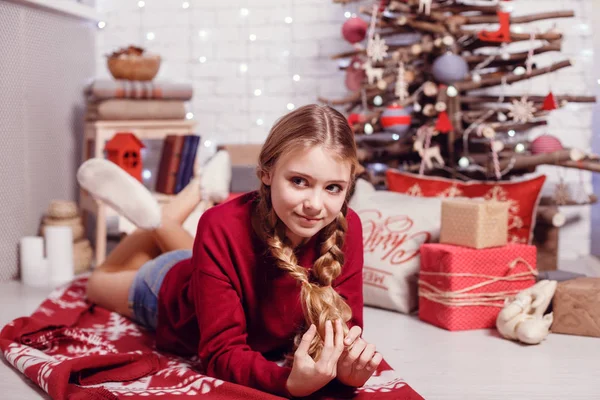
column 143, row 294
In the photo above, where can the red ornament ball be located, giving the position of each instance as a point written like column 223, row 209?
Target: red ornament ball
column 545, row 144
column 354, row 29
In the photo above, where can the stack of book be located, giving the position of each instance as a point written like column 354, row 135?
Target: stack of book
column 176, row 167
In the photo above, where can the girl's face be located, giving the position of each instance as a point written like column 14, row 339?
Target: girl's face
column 308, row 188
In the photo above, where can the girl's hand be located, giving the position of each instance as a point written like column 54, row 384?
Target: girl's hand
column 359, row 361
column 308, row 376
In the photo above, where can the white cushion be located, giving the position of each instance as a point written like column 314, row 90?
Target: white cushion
column 394, row 227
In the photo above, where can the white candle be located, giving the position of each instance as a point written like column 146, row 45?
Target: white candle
column 59, row 251
column 34, row 268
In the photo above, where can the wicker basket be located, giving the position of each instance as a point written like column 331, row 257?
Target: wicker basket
column 133, row 67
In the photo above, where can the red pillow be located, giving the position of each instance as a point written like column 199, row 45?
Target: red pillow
column 523, row 196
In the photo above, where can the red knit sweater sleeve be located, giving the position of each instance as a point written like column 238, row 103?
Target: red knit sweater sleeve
column 350, row 284
column 223, row 348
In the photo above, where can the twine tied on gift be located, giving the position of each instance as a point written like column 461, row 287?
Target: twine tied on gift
column 462, row 297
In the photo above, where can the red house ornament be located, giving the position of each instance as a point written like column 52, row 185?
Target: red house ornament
column 124, row 149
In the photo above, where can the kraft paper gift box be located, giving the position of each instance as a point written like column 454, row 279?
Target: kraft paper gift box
column 475, row 223
column 461, row 288
column 576, row 307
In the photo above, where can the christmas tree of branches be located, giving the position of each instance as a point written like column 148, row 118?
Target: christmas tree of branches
column 418, row 73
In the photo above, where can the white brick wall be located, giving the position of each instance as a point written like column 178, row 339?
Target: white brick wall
column 227, row 109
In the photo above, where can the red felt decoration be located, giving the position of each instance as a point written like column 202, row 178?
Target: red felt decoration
column 355, row 75
column 355, row 118
column 443, row 123
column 502, row 35
column 549, row 103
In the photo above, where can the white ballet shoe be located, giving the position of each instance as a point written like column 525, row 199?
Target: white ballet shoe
column 109, row 183
column 215, row 177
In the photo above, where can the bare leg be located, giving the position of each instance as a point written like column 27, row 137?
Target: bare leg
column 109, row 284
column 182, row 205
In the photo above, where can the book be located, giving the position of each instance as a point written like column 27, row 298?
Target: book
column 169, row 164
column 186, row 164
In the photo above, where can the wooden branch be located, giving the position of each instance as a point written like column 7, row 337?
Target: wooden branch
column 393, row 150
column 376, row 140
column 491, row 19
column 551, row 201
column 528, row 161
column 584, row 164
column 457, row 9
column 514, row 37
column 518, row 162
column 550, row 215
column 510, row 78
column 396, row 5
column 514, row 57
column 536, row 99
column 427, row 26
column 348, row 54
column 352, row 97
column 517, row 126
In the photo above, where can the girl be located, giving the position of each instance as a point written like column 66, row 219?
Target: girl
column 273, row 273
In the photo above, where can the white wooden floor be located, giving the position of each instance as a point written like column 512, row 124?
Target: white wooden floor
column 471, row 365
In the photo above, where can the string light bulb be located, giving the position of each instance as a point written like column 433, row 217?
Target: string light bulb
column 141, row 4
column 520, row 147
column 368, row 129
column 377, row 100
column 257, row 92
column 150, row 35
column 395, row 136
column 207, row 143
column 451, row 91
column 101, row 24
column 288, row 20
column 259, row 122
column 347, row 14
column 291, row 106
column 463, row 162
column 185, row 5
column 296, row 78
column 244, row 12
column 189, row 115
column 252, row 37
column 512, row 133
column 243, row 68
column 202, row 59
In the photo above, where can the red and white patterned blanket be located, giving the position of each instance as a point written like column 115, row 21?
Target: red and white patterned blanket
column 74, row 350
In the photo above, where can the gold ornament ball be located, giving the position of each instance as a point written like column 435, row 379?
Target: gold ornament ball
column 488, row 132
column 430, row 89
column 429, row 110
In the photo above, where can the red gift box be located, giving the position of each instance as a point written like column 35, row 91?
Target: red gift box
column 461, row 288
